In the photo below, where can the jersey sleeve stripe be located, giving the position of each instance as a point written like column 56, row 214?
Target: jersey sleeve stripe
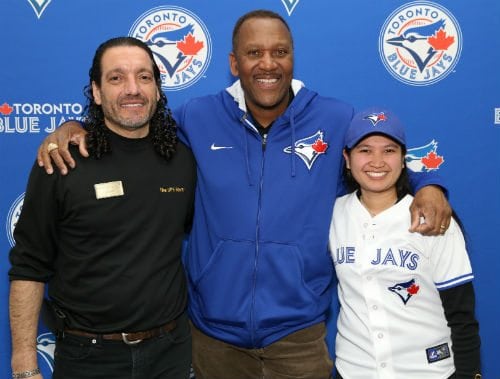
column 455, row 281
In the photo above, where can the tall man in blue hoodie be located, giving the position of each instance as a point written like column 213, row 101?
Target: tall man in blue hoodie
column 269, row 155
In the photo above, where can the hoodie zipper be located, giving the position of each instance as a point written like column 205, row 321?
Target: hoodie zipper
column 257, row 246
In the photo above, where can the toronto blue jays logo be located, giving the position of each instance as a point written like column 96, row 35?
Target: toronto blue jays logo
column 405, row 290
column 13, row 216
column 308, row 149
column 420, row 43
column 290, row 5
column 180, row 43
column 375, row 118
column 39, row 6
column 45, row 346
column 424, row 158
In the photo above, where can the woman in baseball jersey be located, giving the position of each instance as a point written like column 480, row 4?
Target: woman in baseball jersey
column 407, row 301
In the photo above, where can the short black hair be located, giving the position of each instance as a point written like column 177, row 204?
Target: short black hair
column 259, row 13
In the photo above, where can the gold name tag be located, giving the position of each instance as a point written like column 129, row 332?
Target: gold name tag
column 109, row 189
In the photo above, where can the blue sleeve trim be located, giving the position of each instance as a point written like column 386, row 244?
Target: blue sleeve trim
column 455, row 282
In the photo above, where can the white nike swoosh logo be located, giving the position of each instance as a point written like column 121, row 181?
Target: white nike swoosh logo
column 215, row 147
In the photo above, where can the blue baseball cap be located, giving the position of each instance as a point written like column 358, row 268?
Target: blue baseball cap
column 374, row 120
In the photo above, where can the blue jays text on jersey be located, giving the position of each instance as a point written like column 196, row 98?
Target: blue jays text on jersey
column 398, row 257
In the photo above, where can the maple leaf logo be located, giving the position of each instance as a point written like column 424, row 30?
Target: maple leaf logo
column 190, row 46
column 413, row 289
column 441, row 41
column 319, row 146
column 432, row 160
column 6, row 109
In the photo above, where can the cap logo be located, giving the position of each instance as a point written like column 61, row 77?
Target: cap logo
column 375, row 118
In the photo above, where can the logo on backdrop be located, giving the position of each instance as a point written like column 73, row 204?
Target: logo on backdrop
column 180, row 43
column 420, row 43
column 424, row 158
column 39, row 6
column 45, row 346
column 36, row 117
column 13, row 216
column 497, row 116
column 290, row 5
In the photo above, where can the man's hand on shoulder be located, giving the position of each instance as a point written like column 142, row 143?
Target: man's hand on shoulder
column 431, row 206
column 54, row 148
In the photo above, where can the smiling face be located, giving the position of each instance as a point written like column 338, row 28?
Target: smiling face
column 128, row 92
column 376, row 163
column 263, row 60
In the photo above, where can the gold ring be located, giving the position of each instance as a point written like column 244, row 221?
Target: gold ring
column 443, row 226
column 51, row 146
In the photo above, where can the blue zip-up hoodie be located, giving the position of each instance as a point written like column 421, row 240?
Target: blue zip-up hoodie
column 257, row 259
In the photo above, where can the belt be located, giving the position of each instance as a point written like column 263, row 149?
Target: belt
column 128, row 338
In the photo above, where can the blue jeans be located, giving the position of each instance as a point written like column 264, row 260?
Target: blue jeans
column 167, row 356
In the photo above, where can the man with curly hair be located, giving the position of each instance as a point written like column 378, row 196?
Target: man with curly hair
column 107, row 238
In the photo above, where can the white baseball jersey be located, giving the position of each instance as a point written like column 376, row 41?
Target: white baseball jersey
column 391, row 323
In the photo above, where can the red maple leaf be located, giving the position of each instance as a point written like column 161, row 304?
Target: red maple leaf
column 189, row 46
column 319, row 146
column 441, row 41
column 432, row 160
column 413, row 289
column 6, row 109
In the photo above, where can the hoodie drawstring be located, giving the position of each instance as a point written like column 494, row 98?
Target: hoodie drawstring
column 247, row 154
column 292, row 155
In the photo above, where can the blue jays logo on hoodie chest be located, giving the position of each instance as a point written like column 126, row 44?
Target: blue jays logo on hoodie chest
column 308, row 149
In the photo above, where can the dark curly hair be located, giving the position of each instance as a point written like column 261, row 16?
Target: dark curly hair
column 162, row 125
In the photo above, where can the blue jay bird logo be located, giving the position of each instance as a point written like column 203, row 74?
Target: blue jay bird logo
column 420, row 43
column 375, row 118
column 405, row 290
column 39, row 6
column 424, row 158
column 45, row 347
column 180, row 43
column 290, row 5
column 13, row 217
column 416, row 42
column 308, row 149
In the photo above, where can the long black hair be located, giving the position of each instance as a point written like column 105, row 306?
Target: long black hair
column 162, row 125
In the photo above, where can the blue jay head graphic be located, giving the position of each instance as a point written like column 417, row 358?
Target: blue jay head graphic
column 39, row 6
column 416, row 42
column 424, row 158
column 45, row 346
column 405, row 290
column 308, row 149
column 375, row 118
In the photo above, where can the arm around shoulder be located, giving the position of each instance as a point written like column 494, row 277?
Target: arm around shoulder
column 430, row 204
column 54, row 148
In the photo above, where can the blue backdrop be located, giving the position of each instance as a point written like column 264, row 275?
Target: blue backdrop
column 445, row 86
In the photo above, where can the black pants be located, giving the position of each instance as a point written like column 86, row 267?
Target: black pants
column 165, row 357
